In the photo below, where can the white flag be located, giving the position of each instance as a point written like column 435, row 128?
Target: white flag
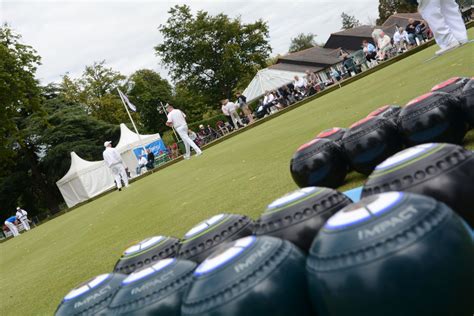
column 127, row 101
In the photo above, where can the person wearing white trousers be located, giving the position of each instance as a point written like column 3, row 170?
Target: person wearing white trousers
column 114, row 161
column 21, row 214
column 177, row 119
column 445, row 21
column 10, row 223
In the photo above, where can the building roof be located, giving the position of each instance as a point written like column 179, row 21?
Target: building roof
column 401, row 19
column 351, row 39
column 314, row 56
column 295, row 68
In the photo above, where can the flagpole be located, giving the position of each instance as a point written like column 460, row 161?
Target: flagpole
column 131, row 119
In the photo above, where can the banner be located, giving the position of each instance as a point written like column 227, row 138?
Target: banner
column 127, row 101
column 157, row 148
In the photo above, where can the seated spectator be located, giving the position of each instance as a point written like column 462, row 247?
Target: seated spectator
column 335, row 75
column 141, row 164
column 400, row 40
column 194, row 137
column 242, row 102
column 421, row 31
column 300, row 84
column 383, row 42
column 349, row 64
column 370, row 53
column 150, row 160
column 411, row 31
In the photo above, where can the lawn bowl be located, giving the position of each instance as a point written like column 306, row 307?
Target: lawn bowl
column 393, row 254
column 319, row 162
column 262, row 276
column 298, row 216
column 146, row 253
column 442, row 171
column 207, row 236
column 155, row 290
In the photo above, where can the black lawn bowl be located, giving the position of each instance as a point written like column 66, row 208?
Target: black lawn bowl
column 262, row 276
column 319, row 162
column 369, row 142
column 298, row 216
column 442, row 171
column 147, row 252
column 207, row 236
column 91, row 297
column 334, row 134
column 390, row 112
column 452, row 86
column 155, row 290
column 467, row 97
column 433, row 117
column 393, row 254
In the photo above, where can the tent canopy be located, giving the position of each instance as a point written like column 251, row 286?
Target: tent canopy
column 129, row 140
column 79, row 167
column 268, row 79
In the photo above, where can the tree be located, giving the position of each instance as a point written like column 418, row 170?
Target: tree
column 389, row 7
column 147, row 90
column 210, row 54
column 349, row 21
column 302, row 41
column 98, row 92
column 21, row 102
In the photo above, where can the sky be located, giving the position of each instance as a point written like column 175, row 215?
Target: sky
column 69, row 35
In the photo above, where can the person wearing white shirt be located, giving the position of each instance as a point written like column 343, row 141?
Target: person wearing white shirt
column 141, row 164
column 231, row 108
column 21, row 215
column 177, row 119
column 113, row 160
column 400, row 39
column 299, row 83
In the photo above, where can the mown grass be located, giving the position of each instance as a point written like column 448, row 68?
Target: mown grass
column 240, row 175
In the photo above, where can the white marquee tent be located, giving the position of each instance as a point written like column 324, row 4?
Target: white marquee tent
column 268, row 79
column 84, row 180
column 129, row 141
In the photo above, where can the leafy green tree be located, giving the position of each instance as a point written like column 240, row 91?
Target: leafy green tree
column 389, row 7
column 210, row 54
column 349, row 21
column 146, row 91
column 20, row 173
column 98, row 92
column 302, row 41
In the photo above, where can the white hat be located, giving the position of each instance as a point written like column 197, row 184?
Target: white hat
column 107, row 143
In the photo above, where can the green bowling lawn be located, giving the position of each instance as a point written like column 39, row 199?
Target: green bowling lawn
column 240, row 175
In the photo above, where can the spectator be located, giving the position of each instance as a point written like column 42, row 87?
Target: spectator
column 400, row 40
column 242, row 102
column 194, row 137
column 150, row 159
column 370, row 53
column 349, row 64
column 11, row 224
column 383, row 42
column 114, row 161
column 446, row 23
column 22, row 216
column 335, row 75
column 232, row 108
column 300, row 84
column 411, row 31
column 420, row 31
column 141, row 164
column 226, row 113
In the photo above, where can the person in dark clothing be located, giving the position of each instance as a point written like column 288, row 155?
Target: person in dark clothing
column 411, row 30
column 150, row 159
